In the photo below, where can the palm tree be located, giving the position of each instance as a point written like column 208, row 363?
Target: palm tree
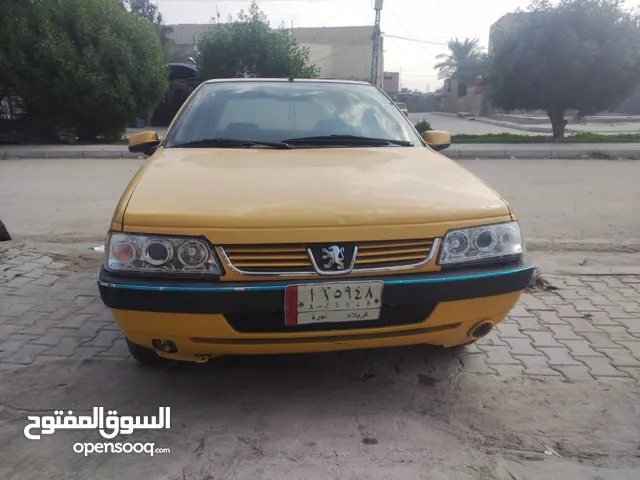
column 465, row 61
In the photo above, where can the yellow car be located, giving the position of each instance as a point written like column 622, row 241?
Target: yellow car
column 287, row 216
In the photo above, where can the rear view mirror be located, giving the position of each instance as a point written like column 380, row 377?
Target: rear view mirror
column 144, row 142
column 436, row 139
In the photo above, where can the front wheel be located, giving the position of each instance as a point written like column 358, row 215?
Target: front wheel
column 147, row 356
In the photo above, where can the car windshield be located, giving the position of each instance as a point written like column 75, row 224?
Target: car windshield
column 274, row 111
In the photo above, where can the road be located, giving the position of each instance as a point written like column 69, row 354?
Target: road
column 563, row 205
column 456, row 125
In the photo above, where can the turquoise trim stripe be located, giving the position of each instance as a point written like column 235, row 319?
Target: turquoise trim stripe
column 454, row 278
column 262, row 288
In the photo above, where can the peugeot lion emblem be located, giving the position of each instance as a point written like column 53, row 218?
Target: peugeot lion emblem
column 334, row 256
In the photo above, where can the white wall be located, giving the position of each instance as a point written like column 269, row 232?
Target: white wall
column 335, row 61
column 340, row 52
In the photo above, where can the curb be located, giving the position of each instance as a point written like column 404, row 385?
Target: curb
column 73, row 153
column 532, row 128
column 543, row 154
column 537, row 152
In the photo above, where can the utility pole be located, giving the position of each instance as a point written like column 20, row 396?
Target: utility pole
column 375, row 58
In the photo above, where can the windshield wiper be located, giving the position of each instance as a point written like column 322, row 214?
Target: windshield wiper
column 230, row 143
column 346, row 140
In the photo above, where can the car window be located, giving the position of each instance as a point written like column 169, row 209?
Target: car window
column 275, row 111
column 270, row 114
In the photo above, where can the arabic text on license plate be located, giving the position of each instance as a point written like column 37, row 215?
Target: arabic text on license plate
column 333, row 302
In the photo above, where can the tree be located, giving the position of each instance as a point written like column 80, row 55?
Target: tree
column 464, row 62
column 147, row 10
column 249, row 47
column 11, row 22
column 144, row 9
column 83, row 64
column 579, row 54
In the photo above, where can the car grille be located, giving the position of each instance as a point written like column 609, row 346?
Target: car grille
column 269, row 259
column 273, row 322
column 283, row 259
column 391, row 254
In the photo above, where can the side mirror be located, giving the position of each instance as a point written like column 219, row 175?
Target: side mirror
column 144, row 142
column 437, row 139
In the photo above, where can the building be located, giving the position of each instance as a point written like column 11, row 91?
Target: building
column 339, row 52
column 391, row 83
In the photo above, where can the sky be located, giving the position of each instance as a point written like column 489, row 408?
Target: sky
column 433, row 21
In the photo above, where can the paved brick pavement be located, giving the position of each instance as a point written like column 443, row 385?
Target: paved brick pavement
column 580, row 328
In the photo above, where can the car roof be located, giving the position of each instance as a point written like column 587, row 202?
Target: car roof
column 295, row 80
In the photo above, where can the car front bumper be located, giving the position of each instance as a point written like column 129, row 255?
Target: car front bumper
column 206, row 319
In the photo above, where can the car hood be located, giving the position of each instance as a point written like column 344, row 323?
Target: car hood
column 267, row 188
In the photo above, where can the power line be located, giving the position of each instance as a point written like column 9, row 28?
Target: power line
column 422, row 59
column 415, row 40
column 398, row 20
column 412, row 38
column 413, row 54
column 419, row 75
column 344, row 49
column 324, row 24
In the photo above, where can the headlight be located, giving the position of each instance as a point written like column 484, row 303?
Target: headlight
column 129, row 253
column 479, row 244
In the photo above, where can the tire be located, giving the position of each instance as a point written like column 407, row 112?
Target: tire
column 4, row 234
column 147, row 356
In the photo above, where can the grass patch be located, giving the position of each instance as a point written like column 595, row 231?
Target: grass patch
column 573, row 138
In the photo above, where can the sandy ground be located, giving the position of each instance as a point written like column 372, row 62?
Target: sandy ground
column 400, row 413
column 455, row 125
column 292, row 418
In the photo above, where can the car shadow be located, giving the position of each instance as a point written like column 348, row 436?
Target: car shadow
column 223, row 380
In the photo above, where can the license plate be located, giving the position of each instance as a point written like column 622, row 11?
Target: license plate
column 332, row 302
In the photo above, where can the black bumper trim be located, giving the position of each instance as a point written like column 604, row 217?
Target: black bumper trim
column 159, row 295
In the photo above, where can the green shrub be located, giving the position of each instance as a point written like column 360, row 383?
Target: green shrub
column 248, row 46
column 422, row 126
column 89, row 65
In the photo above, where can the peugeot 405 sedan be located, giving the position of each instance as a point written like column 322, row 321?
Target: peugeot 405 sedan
column 290, row 216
